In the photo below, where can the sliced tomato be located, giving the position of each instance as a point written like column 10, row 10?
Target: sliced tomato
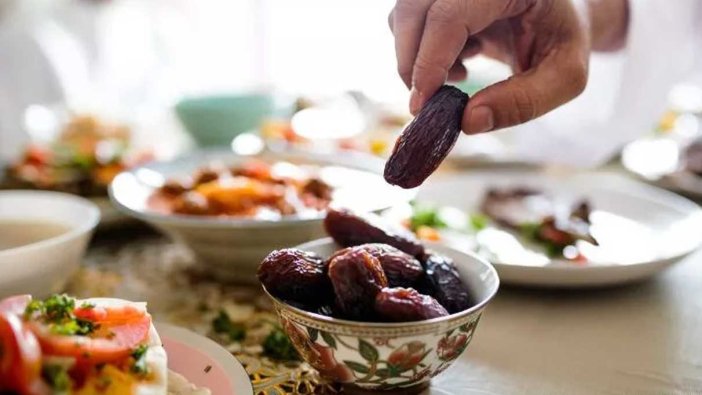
column 20, row 357
column 37, row 155
column 109, row 315
column 120, row 330
column 15, row 304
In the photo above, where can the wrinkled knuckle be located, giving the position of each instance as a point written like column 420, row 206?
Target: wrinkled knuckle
column 423, row 63
column 444, row 11
column 524, row 106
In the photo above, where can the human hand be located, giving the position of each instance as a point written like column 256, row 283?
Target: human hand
column 546, row 42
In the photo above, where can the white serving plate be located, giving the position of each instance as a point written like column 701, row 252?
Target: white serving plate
column 658, row 161
column 232, row 248
column 641, row 229
column 203, row 362
column 44, row 267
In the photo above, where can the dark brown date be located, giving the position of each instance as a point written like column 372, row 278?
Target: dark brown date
column 406, row 304
column 356, row 277
column 295, row 275
column 349, row 229
column 426, row 141
column 444, row 283
column 401, row 269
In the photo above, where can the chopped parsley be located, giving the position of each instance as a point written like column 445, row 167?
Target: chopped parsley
column 222, row 324
column 139, row 366
column 73, row 327
column 278, row 346
column 57, row 378
column 57, row 312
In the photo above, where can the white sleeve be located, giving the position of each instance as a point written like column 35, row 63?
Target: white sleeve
column 626, row 92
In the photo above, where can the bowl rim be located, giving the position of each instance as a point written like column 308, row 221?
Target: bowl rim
column 86, row 225
column 395, row 325
column 193, row 221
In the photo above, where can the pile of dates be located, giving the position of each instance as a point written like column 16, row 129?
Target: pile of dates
column 383, row 275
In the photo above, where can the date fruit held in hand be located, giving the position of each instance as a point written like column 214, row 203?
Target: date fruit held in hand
column 406, row 304
column 357, row 277
column 445, row 283
column 349, row 229
column 427, row 140
column 401, row 269
column 295, row 275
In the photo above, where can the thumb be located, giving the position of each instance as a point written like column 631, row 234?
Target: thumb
column 526, row 96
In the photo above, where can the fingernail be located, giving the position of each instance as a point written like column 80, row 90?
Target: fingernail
column 480, row 120
column 416, row 101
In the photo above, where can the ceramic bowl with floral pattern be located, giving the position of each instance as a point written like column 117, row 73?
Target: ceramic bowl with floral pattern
column 378, row 356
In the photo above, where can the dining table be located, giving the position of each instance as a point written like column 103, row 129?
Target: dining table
column 640, row 338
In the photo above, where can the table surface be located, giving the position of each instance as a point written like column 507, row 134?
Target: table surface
column 644, row 338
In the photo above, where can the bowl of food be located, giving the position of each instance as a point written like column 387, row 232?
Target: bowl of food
column 83, row 158
column 232, row 210
column 374, row 309
column 43, row 237
column 103, row 345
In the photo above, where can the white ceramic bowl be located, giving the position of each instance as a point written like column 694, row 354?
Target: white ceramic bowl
column 44, row 267
column 375, row 356
column 232, row 248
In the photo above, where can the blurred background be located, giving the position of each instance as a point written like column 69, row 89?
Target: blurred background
column 311, row 73
column 199, row 66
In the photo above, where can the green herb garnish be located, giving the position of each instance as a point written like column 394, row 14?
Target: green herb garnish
column 223, row 324
column 278, row 346
column 74, row 327
column 139, row 366
column 553, row 250
column 57, row 312
column 530, row 230
column 478, row 221
column 425, row 215
column 57, row 378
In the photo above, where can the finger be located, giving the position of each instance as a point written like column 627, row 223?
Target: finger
column 559, row 78
column 457, row 72
column 448, row 25
column 391, row 18
column 407, row 27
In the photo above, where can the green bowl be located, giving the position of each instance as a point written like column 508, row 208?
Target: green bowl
column 216, row 120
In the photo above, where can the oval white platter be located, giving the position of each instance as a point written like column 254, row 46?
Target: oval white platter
column 641, row 229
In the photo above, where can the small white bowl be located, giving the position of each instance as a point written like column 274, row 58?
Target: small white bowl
column 232, row 248
column 398, row 356
column 44, row 267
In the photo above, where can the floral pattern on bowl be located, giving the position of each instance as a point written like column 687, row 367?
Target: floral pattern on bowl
column 379, row 362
